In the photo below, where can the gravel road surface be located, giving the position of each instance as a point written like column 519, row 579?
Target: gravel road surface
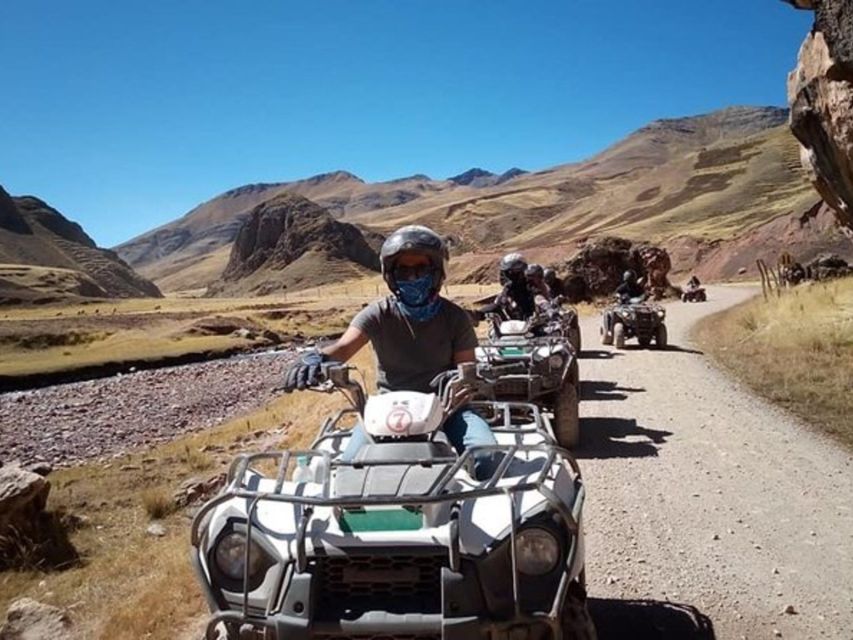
column 709, row 511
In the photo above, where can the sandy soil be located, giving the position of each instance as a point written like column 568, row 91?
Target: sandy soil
column 709, row 511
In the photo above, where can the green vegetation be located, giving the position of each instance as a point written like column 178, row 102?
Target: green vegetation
column 796, row 350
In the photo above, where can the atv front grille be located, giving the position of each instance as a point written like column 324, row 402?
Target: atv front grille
column 645, row 324
column 514, row 387
column 394, row 583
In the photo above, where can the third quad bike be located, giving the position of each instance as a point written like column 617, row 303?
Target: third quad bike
column 696, row 294
column 634, row 318
column 404, row 541
column 533, row 361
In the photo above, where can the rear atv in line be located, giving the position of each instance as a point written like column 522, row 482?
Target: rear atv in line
column 634, row 318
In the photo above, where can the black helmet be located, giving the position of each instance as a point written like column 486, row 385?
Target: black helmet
column 512, row 267
column 535, row 271
column 629, row 276
column 418, row 239
column 549, row 275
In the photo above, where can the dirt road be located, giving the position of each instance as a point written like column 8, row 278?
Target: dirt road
column 709, row 511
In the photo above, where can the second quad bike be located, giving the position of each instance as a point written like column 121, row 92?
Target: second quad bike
column 403, row 541
column 532, row 361
column 634, row 318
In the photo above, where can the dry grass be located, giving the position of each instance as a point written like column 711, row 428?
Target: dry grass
column 126, row 575
column 796, row 350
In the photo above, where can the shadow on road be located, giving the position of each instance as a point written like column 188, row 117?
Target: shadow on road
column 608, row 438
column 649, row 620
column 605, row 390
column 598, row 354
column 669, row 347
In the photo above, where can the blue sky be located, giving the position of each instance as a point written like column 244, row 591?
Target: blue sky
column 124, row 115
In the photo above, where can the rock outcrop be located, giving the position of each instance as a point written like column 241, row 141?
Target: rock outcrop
column 27, row 619
column 290, row 229
column 820, row 92
column 597, row 269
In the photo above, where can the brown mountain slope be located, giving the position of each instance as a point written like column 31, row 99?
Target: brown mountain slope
column 45, row 256
column 166, row 253
column 708, row 177
column 289, row 241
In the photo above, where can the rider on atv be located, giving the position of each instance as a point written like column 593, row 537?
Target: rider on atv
column 535, row 275
column 693, row 283
column 554, row 284
column 415, row 333
column 629, row 289
column 516, row 300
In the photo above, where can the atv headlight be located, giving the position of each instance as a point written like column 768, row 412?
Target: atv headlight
column 555, row 361
column 661, row 313
column 230, row 556
column 537, row 551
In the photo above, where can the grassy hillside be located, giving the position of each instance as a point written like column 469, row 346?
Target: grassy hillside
column 796, row 350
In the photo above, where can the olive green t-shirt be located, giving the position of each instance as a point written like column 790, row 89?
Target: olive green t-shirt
column 410, row 354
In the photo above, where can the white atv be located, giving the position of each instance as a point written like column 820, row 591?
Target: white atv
column 533, row 361
column 402, row 542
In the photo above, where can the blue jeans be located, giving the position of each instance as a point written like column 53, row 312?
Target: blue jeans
column 465, row 428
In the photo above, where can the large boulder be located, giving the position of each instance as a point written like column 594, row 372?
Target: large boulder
column 27, row 619
column 820, row 92
column 23, row 496
column 597, row 269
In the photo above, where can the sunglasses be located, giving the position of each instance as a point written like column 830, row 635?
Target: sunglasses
column 404, row 273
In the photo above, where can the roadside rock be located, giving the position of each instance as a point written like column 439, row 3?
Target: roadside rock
column 820, row 92
column 828, row 266
column 27, row 619
column 196, row 489
column 23, row 496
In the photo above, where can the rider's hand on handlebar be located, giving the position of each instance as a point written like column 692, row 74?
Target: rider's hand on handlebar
column 305, row 372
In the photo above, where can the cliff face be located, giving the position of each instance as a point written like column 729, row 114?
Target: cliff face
column 820, row 91
column 290, row 241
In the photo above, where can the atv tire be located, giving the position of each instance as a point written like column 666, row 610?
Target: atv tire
column 575, row 619
column 661, row 336
column 702, row 297
column 619, row 335
column 566, row 416
column 575, row 338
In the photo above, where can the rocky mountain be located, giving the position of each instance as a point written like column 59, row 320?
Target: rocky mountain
column 479, row 178
column 709, row 177
column 192, row 251
column 290, row 241
column 45, row 256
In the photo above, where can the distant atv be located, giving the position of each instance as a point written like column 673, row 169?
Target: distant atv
column 696, row 294
column 634, row 318
column 533, row 361
column 402, row 542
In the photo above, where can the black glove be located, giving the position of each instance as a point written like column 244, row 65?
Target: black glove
column 305, row 372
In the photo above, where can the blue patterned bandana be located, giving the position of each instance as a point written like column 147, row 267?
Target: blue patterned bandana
column 413, row 299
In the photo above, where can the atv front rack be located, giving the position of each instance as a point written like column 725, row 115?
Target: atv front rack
column 439, row 493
